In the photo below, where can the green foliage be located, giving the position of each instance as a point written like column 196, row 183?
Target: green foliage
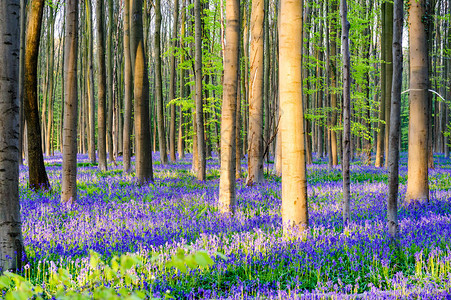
column 109, row 281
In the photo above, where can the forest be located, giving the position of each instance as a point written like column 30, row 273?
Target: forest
column 225, row 149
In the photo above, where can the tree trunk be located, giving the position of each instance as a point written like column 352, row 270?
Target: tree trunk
column 38, row 176
column 255, row 159
column 173, row 84
column 90, row 85
column 227, row 183
column 144, row 172
column 23, row 20
column 333, row 84
column 395, row 125
column 380, row 148
column 109, row 66
column 128, row 85
column 51, row 57
column 201, row 170
column 11, row 247
column 417, row 185
column 101, row 84
column 69, row 180
column 388, row 70
column 346, row 112
column 158, row 86
column 294, row 179
column 181, row 139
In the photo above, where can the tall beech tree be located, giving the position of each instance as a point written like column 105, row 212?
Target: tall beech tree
column 90, row 84
column 101, row 85
column 173, row 84
column 37, row 174
column 227, row 182
column 11, row 247
column 395, row 124
column 294, row 179
column 255, row 138
column 201, row 168
column 128, row 91
column 159, row 85
column 144, row 171
column 110, row 89
column 346, row 111
column 69, row 181
column 417, row 174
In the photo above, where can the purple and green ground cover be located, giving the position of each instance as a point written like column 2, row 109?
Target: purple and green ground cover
column 113, row 215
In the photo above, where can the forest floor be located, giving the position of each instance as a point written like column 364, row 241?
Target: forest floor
column 113, row 215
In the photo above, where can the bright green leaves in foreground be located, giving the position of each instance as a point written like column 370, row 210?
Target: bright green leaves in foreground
column 120, row 275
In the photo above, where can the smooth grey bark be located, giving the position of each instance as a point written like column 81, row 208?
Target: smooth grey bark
column 11, row 247
column 69, row 181
column 395, row 124
column 90, row 85
column 346, row 112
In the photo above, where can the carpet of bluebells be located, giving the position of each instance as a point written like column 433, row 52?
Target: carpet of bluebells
column 113, row 215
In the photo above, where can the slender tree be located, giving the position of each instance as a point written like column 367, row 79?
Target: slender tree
column 101, row 85
column 144, row 172
column 11, row 247
column 23, row 23
column 51, row 58
column 201, row 168
column 255, row 159
column 128, row 91
column 37, row 174
column 69, row 181
column 294, row 179
column 159, row 85
column 395, row 124
column 227, row 183
column 346, row 111
column 417, row 184
column 333, row 85
column 173, row 84
column 90, row 84
column 110, row 89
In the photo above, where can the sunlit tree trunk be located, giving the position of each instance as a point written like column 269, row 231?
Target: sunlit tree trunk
column 11, row 247
column 255, row 159
column 144, row 172
column 101, row 84
column 69, row 180
column 346, row 112
column 294, row 180
column 395, row 124
column 37, row 174
column 51, row 58
column 417, row 185
column 201, row 170
column 128, row 90
column 333, row 84
column 227, row 183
